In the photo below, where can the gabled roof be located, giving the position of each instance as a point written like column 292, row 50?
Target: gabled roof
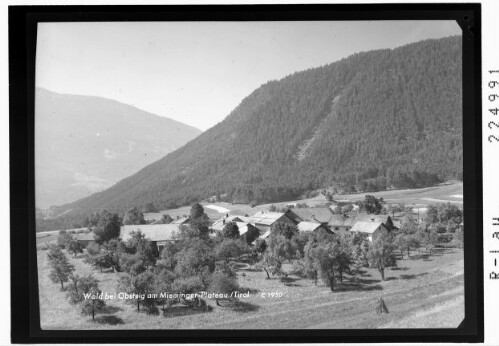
column 244, row 227
column 322, row 215
column 180, row 221
column 159, row 232
column 337, row 220
column 341, row 220
column 292, row 215
column 219, row 224
column 371, row 217
column 306, row 226
column 367, row 227
column 88, row 236
column 265, row 218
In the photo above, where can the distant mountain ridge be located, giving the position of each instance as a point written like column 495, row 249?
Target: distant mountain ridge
column 374, row 120
column 85, row 144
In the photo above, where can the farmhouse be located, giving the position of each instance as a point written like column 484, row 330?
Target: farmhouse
column 220, row 223
column 308, row 226
column 385, row 219
column 84, row 238
column 248, row 232
column 158, row 234
column 342, row 223
column 265, row 220
column 372, row 229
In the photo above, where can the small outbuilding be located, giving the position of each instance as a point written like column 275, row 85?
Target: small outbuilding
column 307, row 226
column 158, row 234
column 84, row 238
column 220, row 223
column 248, row 232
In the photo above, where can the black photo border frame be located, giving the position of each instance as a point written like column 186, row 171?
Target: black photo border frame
column 25, row 319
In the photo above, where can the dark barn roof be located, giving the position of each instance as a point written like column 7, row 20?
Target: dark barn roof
column 341, row 220
column 321, row 215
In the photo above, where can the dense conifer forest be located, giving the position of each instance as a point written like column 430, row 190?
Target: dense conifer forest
column 375, row 120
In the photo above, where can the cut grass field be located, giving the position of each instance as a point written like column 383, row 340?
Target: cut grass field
column 450, row 191
column 425, row 291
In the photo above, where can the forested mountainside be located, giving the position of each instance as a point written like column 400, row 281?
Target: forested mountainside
column 85, row 144
column 375, row 120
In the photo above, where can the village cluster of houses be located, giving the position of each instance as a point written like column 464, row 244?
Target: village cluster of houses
column 260, row 224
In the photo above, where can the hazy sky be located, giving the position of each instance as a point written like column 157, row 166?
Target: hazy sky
column 197, row 72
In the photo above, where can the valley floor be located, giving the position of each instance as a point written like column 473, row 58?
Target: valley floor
column 451, row 191
column 425, row 291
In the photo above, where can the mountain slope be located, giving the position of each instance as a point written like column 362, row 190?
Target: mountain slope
column 85, row 144
column 385, row 118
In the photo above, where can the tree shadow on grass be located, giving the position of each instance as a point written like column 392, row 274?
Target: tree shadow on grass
column 421, row 256
column 152, row 310
column 400, row 268
column 109, row 319
column 250, row 269
column 412, row 276
column 355, row 286
column 184, row 310
column 289, row 281
column 361, row 281
column 362, row 273
column 248, row 289
column 110, row 309
column 443, row 250
column 240, row 306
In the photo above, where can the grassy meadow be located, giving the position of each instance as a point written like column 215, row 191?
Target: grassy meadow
column 425, row 291
column 451, row 191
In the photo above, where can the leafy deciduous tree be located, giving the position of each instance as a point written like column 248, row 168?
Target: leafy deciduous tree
column 141, row 285
column 61, row 270
column 230, row 230
column 134, row 217
column 371, row 205
column 107, row 226
column 381, row 254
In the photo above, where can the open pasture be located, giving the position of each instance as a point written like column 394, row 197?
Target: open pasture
column 451, row 191
column 425, row 290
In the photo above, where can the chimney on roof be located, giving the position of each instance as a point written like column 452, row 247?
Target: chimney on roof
column 223, row 221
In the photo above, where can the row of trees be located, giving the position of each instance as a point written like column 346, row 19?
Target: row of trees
column 82, row 291
column 200, row 261
column 324, row 255
column 442, row 223
column 329, row 256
